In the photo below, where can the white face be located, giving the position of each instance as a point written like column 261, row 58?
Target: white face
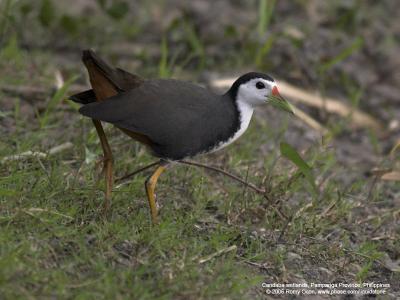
column 255, row 92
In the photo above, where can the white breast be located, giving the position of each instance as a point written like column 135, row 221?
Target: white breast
column 246, row 112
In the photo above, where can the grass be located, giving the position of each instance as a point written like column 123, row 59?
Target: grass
column 58, row 96
column 216, row 239
column 265, row 12
column 54, row 242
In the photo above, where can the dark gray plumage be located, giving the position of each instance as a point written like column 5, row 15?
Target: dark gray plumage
column 181, row 119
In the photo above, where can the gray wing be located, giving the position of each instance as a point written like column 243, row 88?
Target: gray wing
column 169, row 112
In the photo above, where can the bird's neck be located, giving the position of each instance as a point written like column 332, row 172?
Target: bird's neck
column 245, row 113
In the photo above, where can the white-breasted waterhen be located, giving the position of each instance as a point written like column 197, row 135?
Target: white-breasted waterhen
column 175, row 119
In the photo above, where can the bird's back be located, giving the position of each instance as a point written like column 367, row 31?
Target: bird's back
column 180, row 118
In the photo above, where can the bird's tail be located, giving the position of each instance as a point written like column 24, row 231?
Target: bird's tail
column 85, row 97
column 101, row 74
column 106, row 80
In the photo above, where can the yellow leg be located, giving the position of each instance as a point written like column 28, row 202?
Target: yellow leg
column 107, row 164
column 150, row 185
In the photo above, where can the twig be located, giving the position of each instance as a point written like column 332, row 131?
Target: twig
column 218, row 253
column 60, row 148
column 37, row 209
column 391, row 176
column 30, row 154
column 261, row 266
column 253, row 187
column 136, row 172
column 358, row 117
column 310, row 121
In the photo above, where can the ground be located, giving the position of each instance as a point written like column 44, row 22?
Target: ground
column 216, row 239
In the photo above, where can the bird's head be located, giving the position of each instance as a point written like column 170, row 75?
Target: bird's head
column 256, row 89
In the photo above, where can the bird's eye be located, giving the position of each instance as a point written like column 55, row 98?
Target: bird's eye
column 260, row 85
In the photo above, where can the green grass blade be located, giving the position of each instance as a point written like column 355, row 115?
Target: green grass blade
column 55, row 100
column 8, row 193
column 290, row 153
column 47, row 13
column 195, row 42
column 5, row 10
column 355, row 46
column 266, row 8
column 264, row 50
column 163, row 70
